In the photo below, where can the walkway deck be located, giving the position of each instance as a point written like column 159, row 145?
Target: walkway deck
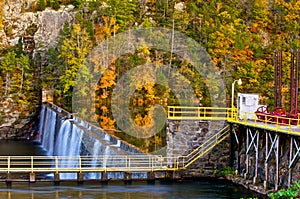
column 104, row 164
column 273, row 123
column 81, row 164
column 145, row 163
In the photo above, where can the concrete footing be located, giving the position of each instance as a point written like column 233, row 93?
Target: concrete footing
column 32, row 177
column 104, row 176
column 127, row 177
column 80, row 178
column 56, row 179
column 150, row 177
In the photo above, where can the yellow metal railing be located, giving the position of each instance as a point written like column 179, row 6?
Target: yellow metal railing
column 204, row 148
column 147, row 163
column 113, row 163
column 267, row 121
column 70, row 164
column 196, row 113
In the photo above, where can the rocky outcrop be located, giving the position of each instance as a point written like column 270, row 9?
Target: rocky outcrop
column 38, row 31
column 43, row 26
column 13, row 121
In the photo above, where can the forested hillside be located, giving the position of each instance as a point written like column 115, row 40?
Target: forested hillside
column 239, row 35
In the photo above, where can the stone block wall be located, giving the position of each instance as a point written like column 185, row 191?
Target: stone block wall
column 183, row 136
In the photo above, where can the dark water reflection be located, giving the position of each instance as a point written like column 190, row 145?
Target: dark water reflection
column 208, row 189
column 212, row 189
column 20, row 148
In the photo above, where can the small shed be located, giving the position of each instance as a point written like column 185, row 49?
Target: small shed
column 247, row 104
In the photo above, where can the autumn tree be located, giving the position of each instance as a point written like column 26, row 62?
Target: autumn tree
column 1, row 17
column 74, row 50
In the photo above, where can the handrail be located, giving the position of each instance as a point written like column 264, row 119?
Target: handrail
column 206, row 146
column 148, row 163
column 114, row 163
column 267, row 121
column 191, row 113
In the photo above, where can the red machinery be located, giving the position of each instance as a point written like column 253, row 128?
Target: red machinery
column 279, row 114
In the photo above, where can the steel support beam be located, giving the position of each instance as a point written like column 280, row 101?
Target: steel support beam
column 277, row 165
column 231, row 146
column 266, row 162
column 294, row 156
column 274, row 142
column 252, row 140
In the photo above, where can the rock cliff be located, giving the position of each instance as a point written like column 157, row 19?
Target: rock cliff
column 37, row 31
column 43, row 26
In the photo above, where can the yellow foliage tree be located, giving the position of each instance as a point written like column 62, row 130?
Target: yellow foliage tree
column 106, row 29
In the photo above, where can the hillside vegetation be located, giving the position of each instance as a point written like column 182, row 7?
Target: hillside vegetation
column 240, row 36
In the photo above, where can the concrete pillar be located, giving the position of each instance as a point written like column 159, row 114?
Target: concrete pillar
column 290, row 162
column 246, row 175
column 277, row 164
column 171, row 174
column 56, row 178
column 127, row 177
column 256, row 146
column 32, row 177
column 8, row 180
column 79, row 178
column 104, row 176
column 150, row 177
column 8, row 177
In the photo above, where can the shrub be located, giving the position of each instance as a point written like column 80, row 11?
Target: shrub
column 290, row 193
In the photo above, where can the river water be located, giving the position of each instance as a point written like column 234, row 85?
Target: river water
column 208, row 189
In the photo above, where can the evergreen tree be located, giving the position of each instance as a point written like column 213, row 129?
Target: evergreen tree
column 41, row 5
column 55, row 5
column 7, row 67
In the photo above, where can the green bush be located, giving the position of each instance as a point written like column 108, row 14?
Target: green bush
column 41, row 5
column 55, row 5
column 290, row 193
column 227, row 171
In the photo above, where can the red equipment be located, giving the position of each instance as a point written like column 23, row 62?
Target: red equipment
column 279, row 114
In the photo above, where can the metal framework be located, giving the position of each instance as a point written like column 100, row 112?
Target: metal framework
column 252, row 141
column 269, row 130
column 269, row 143
column 274, row 141
column 294, row 156
column 278, row 77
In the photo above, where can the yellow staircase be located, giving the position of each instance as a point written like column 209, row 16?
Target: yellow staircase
column 206, row 147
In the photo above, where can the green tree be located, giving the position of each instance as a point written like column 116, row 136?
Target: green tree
column 24, row 67
column 41, row 5
column 125, row 12
column 74, row 50
column 7, row 68
column 55, row 5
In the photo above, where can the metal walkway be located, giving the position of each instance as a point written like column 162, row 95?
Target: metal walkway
column 274, row 123
column 145, row 163
column 270, row 139
column 107, row 163
column 103, row 164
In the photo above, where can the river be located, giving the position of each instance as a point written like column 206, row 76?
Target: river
column 208, row 189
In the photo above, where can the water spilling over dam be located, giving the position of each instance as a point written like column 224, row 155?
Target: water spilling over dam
column 63, row 134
